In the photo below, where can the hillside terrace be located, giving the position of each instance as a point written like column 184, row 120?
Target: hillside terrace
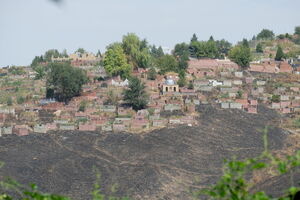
column 220, row 83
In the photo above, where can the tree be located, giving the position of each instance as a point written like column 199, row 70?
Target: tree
column 135, row 95
column 167, row 63
column 80, row 50
column 190, row 85
column 64, row 53
column 20, row 100
column 194, row 38
column 151, row 75
column 265, row 34
column 36, row 61
column 211, row 48
column 204, row 49
column 297, row 30
column 223, row 47
column 51, row 53
column 64, row 81
column 99, row 53
column 259, row 48
column 245, row 43
column 241, row 55
column 279, row 54
column 181, row 49
column 82, row 106
column 182, row 53
column 182, row 81
column 275, row 98
column 156, row 52
column 137, row 51
column 9, row 101
column 115, row 61
column 40, row 72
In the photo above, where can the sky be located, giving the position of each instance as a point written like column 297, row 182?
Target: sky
column 30, row 27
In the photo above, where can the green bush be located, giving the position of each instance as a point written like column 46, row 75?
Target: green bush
column 275, row 98
column 9, row 101
column 20, row 100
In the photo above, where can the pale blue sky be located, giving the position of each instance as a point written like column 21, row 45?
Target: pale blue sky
column 30, row 27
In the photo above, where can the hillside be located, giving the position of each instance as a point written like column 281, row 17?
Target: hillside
column 163, row 164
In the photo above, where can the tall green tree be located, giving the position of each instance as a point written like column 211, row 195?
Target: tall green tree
column 156, row 52
column 245, row 43
column 137, row 51
column 241, row 55
column 136, row 95
column 40, row 72
column 151, row 75
column 115, row 61
column 259, row 48
column 182, row 53
column 167, row 63
column 265, row 34
column 181, row 49
column 64, row 81
column 182, row 81
column 80, row 50
column 36, row 61
column 194, row 38
column 297, row 30
column 51, row 53
column 223, row 47
column 211, row 48
column 204, row 49
column 279, row 54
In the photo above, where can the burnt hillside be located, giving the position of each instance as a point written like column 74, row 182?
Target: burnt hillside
column 163, row 164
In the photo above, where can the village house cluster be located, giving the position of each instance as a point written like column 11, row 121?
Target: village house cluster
column 221, row 83
column 79, row 59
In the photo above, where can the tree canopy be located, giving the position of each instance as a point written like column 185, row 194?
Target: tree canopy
column 167, row 63
column 223, row 47
column 203, row 49
column 259, row 48
column 156, row 52
column 115, row 61
column 80, row 50
column 265, row 34
column 279, row 54
column 208, row 49
column 136, row 50
column 64, row 81
column 36, row 61
column 182, row 53
column 136, row 95
column 151, row 75
column 297, row 30
column 241, row 55
column 194, row 38
column 181, row 49
column 51, row 53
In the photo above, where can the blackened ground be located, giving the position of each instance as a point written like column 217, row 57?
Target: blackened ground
column 163, row 164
